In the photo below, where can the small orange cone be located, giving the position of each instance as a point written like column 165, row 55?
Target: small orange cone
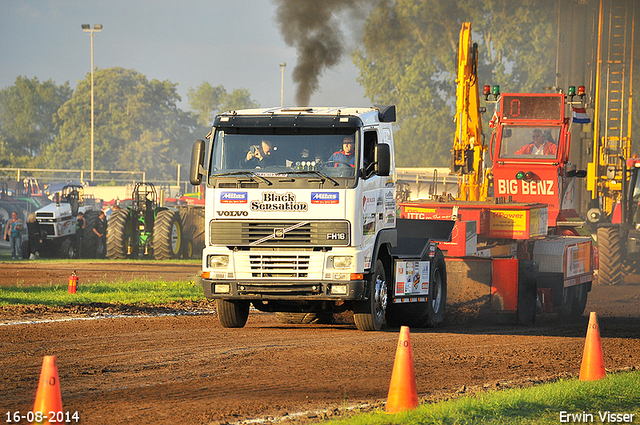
column 48, row 397
column 592, row 367
column 402, row 390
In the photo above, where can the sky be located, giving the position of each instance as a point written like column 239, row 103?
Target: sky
column 234, row 43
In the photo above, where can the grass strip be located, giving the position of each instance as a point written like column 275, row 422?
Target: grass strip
column 564, row 401
column 129, row 292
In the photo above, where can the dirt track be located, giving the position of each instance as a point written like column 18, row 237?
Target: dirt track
column 187, row 369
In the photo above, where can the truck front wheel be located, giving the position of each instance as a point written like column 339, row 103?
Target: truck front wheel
column 369, row 314
column 232, row 314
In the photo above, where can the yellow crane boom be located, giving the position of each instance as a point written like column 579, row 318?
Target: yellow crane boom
column 468, row 147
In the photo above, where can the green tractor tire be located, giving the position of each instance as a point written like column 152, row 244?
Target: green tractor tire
column 167, row 235
column 119, row 235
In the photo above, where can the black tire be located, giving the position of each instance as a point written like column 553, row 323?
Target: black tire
column 580, row 295
column 437, row 300
column 26, row 250
column 324, row 318
column 67, row 249
column 167, row 235
column 232, row 314
column 90, row 240
column 424, row 314
column 119, row 235
column 568, row 298
column 187, row 249
column 369, row 314
column 610, row 253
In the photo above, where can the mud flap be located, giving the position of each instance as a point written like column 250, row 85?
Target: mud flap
column 514, row 291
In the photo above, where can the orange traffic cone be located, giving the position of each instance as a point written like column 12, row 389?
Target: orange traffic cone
column 402, row 391
column 48, row 397
column 592, row 367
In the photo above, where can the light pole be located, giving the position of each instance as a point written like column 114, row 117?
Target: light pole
column 87, row 28
column 282, row 65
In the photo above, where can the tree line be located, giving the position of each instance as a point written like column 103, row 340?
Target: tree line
column 138, row 124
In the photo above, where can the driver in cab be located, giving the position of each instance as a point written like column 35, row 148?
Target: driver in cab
column 539, row 146
column 346, row 155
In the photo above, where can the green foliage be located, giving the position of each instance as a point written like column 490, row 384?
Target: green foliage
column 617, row 393
column 26, row 119
column 238, row 99
column 206, row 101
column 137, row 126
column 131, row 292
column 409, row 58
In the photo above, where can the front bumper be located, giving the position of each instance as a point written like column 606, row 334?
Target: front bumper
column 264, row 289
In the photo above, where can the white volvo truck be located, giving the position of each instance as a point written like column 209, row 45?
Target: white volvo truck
column 297, row 226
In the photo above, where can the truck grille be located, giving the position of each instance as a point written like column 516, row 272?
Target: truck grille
column 278, row 289
column 279, row 233
column 279, row 266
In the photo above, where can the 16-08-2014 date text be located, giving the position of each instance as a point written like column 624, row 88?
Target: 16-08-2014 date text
column 52, row 416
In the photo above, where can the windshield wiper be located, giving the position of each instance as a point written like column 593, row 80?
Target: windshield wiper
column 317, row 173
column 243, row 173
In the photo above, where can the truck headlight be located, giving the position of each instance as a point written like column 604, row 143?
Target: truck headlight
column 342, row 262
column 218, row 261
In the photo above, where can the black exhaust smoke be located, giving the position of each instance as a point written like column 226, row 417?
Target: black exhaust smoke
column 314, row 28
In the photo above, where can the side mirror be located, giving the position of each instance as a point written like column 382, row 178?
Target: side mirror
column 382, row 158
column 197, row 161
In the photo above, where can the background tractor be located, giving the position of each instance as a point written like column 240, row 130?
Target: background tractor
column 619, row 237
column 144, row 229
column 57, row 223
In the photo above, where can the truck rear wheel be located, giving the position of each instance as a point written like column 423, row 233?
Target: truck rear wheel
column 437, row 291
column 424, row 314
column 232, row 314
column 369, row 315
column 581, row 292
column 610, row 253
column 167, row 235
column 568, row 298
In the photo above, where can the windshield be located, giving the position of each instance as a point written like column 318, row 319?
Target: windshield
column 529, row 142
column 333, row 155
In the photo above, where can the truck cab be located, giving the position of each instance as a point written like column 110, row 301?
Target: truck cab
column 300, row 212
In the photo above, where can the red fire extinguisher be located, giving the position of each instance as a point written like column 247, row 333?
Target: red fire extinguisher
column 73, row 283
